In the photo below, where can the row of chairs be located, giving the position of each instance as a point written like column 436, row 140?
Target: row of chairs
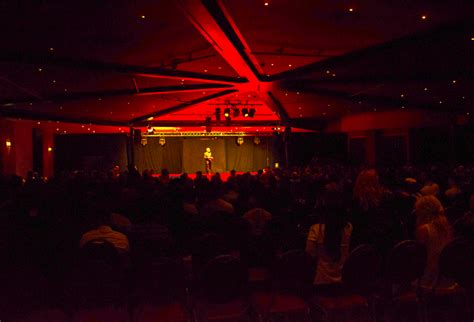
column 163, row 290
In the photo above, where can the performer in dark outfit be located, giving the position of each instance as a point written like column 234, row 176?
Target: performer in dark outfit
column 208, row 159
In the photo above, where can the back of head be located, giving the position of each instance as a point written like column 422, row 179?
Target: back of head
column 428, row 208
column 367, row 189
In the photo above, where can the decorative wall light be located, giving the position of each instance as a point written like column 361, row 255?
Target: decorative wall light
column 240, row 141
column 162, row 141
column 143, row 141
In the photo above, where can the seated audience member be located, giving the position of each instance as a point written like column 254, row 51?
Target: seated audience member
column 373, row 215
column 120, row 222
column 102, row 230
column 453, row 190
column 258, row 219
column 430, row 188
column 464, row 226
column 215, row 204
column 329, row 240
column 164, row 177
column 434, row 231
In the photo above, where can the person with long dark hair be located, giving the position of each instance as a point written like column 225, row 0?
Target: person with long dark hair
column 329, row 239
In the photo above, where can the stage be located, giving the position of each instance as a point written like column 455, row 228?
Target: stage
column 224, row 175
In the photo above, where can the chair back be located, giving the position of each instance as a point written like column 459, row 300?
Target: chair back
column 360, row 269
column 223, row 279
column 164, row 278
column 258, row 251
column 295, row 271
column 100, row 252
column 406, row 262
column 205, row 248
column 456, row 261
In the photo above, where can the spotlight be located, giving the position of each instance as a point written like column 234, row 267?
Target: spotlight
column 218, row 114
column 227, row 112
column 245, row 112
column 252, row 112
column 8, row 143
column 236, row 112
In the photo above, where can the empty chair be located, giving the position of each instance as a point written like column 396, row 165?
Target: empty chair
column 222, row 290
column 98, row 277
column 159, row 291
column 291, row 284
column 101, row 314
column 354, row 295
column 404, row 265
column 456, row 261
column 206, row 247
column 258, row 253
column 47, row 315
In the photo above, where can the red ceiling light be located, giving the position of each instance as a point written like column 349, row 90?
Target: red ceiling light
column 423, row 17
column 266, row 4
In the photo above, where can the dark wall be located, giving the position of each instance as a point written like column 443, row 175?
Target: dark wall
column 305, row 147
column 391, row 150
column 358, row 150
column 431, row 146
column 90, row 152
column 464, row 144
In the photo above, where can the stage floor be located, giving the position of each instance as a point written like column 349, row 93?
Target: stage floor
column 224, row 175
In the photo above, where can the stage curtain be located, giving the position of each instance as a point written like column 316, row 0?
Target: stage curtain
column 248, row 156
column 155, row 157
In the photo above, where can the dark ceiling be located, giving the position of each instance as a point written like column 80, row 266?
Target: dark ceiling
column 123, row 62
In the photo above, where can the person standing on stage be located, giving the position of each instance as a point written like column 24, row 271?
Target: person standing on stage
column 208, row 160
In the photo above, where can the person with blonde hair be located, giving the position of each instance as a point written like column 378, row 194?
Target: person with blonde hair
column 434, row 231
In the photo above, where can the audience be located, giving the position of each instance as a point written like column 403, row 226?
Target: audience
column 326, row 209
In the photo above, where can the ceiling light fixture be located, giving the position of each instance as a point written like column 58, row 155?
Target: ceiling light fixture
column 252, row 112
column 227, row 112
column 236, row 112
